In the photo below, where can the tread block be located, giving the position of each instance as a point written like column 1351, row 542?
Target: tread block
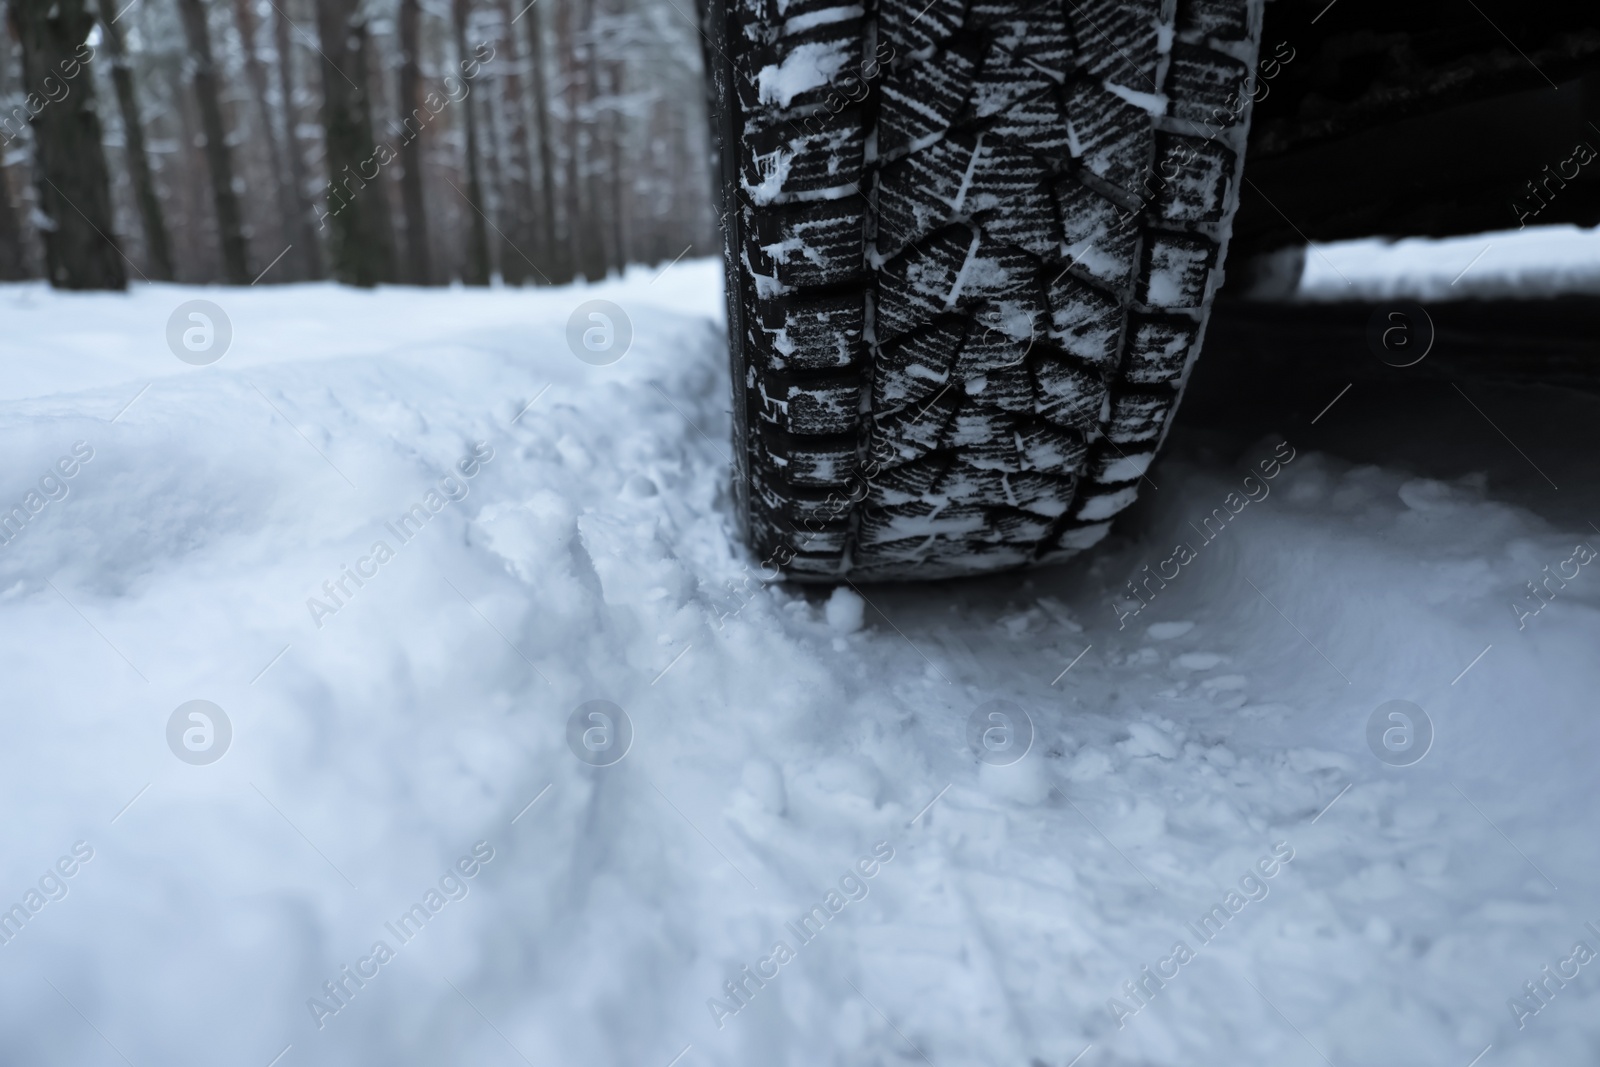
column 889, row 560
column 1114, row 138
column 991, row 13
column 1118, row 39
column 1193, row 177
column 1158, row 348
column 957, row 267
column 809, row 244
column 1050, row 449
column 1028, row 51
column 921, row 282
column 912, row 483
column 961, row 177
column 771, row 19
column 1226, row 20
column 1036, row 32
column 985, row 438
column 1006, row 389
column 1042, row 494
column 1175, row 271
column 1206, row 86
column 1039, row 125
column 915, row 366
column 1020, row 527
column 1025, row 220
column 1004, row 331
column 1138, row 417
column 1101, row 237
column 810, row 510
column 1068, row 395
column 823, row 545
column 914, row 431
column 814, row 333
column 1098, row 503
column 777, row 81
column 814, row 410
column 968, row 484
column 948, row 556
column 814, row 463
column 907, row 30
column 990, row 351
column 923, row 98
column 881, row 526
column 819, row 566
column 1010, row 198
column 809, row 156
column 923, row 192
column 1086, row 321
column 1111, row 465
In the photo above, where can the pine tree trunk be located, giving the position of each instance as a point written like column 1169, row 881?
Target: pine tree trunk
column 219, row 158
column 15, row 262
column 519, row 185
column 73, row 182
column 418, row 261
column 499, row 207
column 572, row 209
column 592, row 255
column 477, row 268
column 283, row 184
column 618, row 128
column 361, row 246
column 553, row 254
column 158, row 251
column 305, row 219
column 194, row 258
column 13, row 254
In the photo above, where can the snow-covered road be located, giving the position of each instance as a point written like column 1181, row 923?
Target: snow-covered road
column 1200, row 858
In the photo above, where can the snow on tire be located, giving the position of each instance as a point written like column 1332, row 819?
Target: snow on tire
column 971, row 249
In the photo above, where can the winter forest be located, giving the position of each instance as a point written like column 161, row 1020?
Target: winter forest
column 368, row 141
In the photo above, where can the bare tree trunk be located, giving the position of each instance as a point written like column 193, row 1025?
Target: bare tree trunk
column 477, row 268
column 618, row 177
column 418, row 262
column 499, row 207
column 551, row 251
column 362, row 242
column 15, row 262
column 520, row 183
column 571, row 89
column 305, row 220
column 194, row 256
column 74, row 185
column 256, row 72
column 592, row 250
column 157, row 249
column 219, row 158
column 13, row 254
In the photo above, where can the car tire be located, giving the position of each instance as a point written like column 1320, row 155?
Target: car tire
column 971, row 247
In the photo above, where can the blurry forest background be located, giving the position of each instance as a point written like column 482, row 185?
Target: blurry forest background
column 369, row 141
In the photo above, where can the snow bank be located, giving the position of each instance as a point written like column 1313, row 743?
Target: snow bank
column 413, row 849
column 1510, row 264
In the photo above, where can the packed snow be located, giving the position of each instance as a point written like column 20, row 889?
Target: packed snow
column 510, row 755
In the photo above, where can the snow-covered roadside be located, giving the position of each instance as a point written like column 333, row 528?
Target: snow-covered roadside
column 1508, row 264
column 380, row 751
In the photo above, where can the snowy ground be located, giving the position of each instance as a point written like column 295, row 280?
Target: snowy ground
column 419, row 720
column 1508, row 263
